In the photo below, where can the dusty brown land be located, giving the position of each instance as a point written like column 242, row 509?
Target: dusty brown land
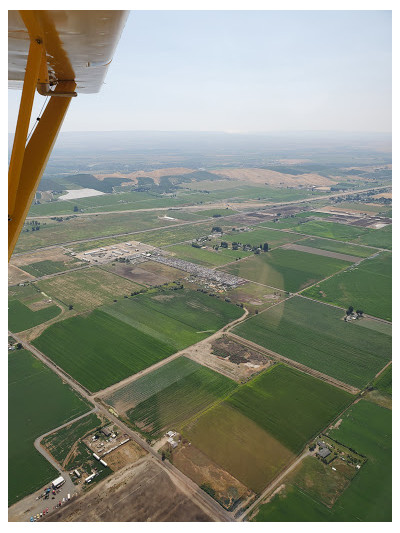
column 16, row 275
column 155, row 175
column 271, row 177
column 149, row 273
column 54, row 254
column 196, row 465
column 125, row 455
column 142, row 493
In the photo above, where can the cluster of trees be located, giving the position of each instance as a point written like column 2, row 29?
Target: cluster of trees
column 350, row 312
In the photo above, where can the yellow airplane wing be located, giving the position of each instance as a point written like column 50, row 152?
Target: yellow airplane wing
column 60, row 54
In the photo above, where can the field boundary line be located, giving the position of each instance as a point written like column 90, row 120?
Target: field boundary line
column 126, row 381
column 299, row 366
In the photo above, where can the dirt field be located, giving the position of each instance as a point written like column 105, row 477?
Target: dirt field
column 148, row 273
column 142, row 493
column 193, row 463
column 317, row 251
column 229, row 358
column 125, row 455
column 16, row 275
column 53, row 254
column 271, row 177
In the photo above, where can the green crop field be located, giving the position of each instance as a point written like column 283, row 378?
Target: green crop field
column 38, row 402
column 338, row 247
column 87, row 288
column 383, row 383
column 260, row 236
column 43, row 268
column 60, row 443
column 317, row 336
column 121, row 339
column 238, row 445
column 88, row 227
column 173, row 403
column 207, row 256
column 289, row 270
column 365, row 428
column 382, row 238
column 20, row 317
column 331, row 230
column 281, row 223
column 287, row 404
column 367, row 286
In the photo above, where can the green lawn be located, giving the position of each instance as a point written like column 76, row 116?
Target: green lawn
column 38, row 402
column 287, row 404
column 289, row 270
column 367, row 286
column 119, row 340
column 317, row 336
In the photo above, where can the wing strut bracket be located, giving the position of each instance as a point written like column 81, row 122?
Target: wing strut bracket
column 35, row 157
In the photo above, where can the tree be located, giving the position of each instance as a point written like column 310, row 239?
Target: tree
column 265, row 247
column 18, row 345
column 350, row 310
column 359, row 312
column 224, row 244
column 216, row 229
column 70, row 307
column 76, row 209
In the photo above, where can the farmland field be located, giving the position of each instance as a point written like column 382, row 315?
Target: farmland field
column 382, row 238
column 206, row 257
column 168, row 397
column 238, row 445
column 317, row 336
column 289, row 270
column 261, row 235
column 78, row 228
column 27, row 308
column 367, row 286
column 332, row 230
column 87, row 288
column 121, row 339
column 43, row 268
column 384, row 382
column 38, row 402
column 365, row 428
column 286, row 403
column 338, row 247
column 60, row 443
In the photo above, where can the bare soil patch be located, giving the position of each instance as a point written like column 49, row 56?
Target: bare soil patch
column 16, row 275
column 142, row 493
column 155, row 175
column 147, row 273
column 53, row 254
column 127, row 454
column 229, row 358
column 271, row 177
column 208, row 475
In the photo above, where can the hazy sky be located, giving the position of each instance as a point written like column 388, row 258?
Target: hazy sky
column 242, row 71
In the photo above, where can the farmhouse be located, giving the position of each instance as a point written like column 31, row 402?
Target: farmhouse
column 324, row 452
column 173, row 443
column 106, row 432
